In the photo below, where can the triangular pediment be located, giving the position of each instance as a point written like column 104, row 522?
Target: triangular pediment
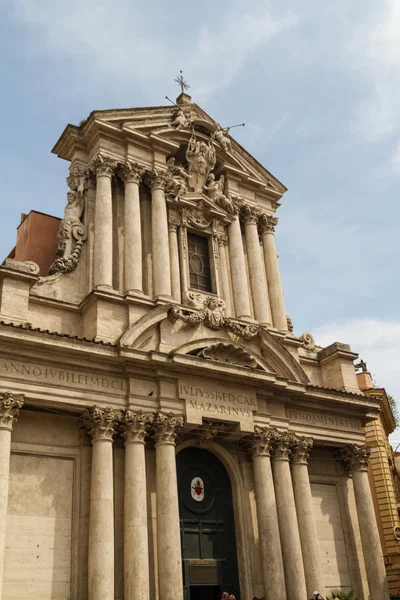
column 156, row 124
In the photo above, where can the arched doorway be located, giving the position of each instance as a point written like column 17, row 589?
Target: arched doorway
column 207, row 523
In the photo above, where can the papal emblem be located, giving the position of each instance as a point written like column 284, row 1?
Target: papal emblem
column 197, row 489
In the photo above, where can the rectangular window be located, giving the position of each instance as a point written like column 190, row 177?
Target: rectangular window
column 199, row 263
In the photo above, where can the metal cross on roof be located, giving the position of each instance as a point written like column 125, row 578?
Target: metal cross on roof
column 180, row 81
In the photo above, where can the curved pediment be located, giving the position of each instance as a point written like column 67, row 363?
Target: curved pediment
column 162, row 330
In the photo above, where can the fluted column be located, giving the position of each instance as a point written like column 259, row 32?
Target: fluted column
column 238, row 271
column 267, row 224
column 100, row 425
column 226, row 292
column 160, row 241
column 174, row 257
column 136, row 549
column 305, row 516
column 10, row 405
column 287, row 519
column 270, row 544
column 256, row 268
column 356, row 459
column 104, row 168
column 131, row 174
column 168, row 530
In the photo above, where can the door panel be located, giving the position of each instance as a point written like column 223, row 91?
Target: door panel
column 207, row 525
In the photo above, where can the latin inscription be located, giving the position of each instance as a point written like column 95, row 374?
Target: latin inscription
column 61, row 377
column 330, row 421
column 214, row 402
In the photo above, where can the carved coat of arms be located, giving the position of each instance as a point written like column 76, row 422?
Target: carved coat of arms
column 201, row 158
column 197, row 489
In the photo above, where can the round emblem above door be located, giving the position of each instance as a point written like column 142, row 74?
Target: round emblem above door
column 197, row 489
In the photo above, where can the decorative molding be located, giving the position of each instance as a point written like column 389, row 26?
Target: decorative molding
column 135, row 425
column 230, row 354
column 262, row 441
column 25, row 266
column 100, row 423
column 103, row 166
column 355, row 457
column 267, row 223
column 10, row 405
column 301, row 450
column 166, row 427
column 308, row 341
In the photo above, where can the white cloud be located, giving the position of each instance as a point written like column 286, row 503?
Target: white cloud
column 375, row 51
column 130, row 45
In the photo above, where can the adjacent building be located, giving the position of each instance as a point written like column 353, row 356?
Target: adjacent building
column 164, row 434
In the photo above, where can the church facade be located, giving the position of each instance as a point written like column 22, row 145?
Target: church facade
column 164, row 434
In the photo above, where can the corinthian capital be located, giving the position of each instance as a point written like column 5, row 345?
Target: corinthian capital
column 262, row 441
column 103, row 166
column 267, row 223
column 99, row 423
column 135, row 425
column 157, row 179
column 301, row 450
column 9, row 409
column 282, row 447
column 166, row 427
column 355, row 458
column 250, row 214
column 131, row 172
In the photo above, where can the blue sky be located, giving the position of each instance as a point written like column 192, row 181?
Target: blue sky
column 318, row 85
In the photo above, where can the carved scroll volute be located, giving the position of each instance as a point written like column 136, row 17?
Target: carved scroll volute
column 10, row 405
column 301, row 448
column 100, row 423
column 355, row 458
column 103, row 166
column 135, row 425
column 166, row 428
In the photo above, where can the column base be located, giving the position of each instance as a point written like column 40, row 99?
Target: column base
column 163, row 299
column 134, row 293
column 104, row 287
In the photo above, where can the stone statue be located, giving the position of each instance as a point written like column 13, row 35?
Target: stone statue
column 182, row 119
column 215, row 190
column 176, row 179
column 221, row 136
column 72, row 232
column 214, row 312
column 201, row 159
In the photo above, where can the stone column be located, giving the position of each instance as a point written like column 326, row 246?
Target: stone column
column 270, row 544
column 256, row 268
column 226, row 291
column 174, row 257
column 168, row 530
column 356, row 459
column 267, row 223
column 100, row 424
column 104, row 168
column 160, row 241
column 9, row 410
column 132, row 174
column 305, row 517
column 238, row 271
column 287, row 519
column 136, row 549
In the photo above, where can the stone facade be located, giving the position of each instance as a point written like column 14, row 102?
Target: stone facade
column 161, row 326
